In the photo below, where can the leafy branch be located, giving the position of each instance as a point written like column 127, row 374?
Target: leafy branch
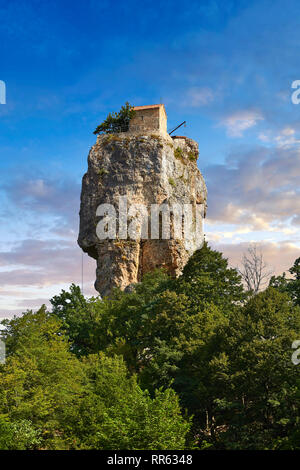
column 117, row 122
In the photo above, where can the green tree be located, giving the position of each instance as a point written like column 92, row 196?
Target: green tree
column 117, row 414
column 6, row 433
column 289, row 285
column 184, row 342
column 114, row 373
column 81, row 320
column 109, row 324
column 294, row 285
column 18, row 435
column 255, row 388
column 61, row 402
column 41, row 380
column 117, row 122
column 206, row 278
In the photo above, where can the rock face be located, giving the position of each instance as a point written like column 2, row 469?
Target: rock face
column 147, row 169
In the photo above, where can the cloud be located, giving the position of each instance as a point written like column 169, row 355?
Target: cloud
column 255, row 188
column 264, row 137
column 46, row 266
column 279, row 256
column 43, row 205
column 198, row 96
column 43, row 194
column 284, row 138
column 43, row 211
column 41, row 263
column 239, row 121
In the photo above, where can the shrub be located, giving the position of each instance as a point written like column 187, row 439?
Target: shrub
column 178, row 153
column 118, row 414
column 192, row 156
column 102, row 172
column 116, row 122
column 18, row 435
column 110, row 138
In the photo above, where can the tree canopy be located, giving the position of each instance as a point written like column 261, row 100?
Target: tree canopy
column 117, row 121
column 192, row 362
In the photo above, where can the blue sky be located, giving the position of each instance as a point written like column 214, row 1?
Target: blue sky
column 226, row 67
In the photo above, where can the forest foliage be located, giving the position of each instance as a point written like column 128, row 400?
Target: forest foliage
column 188, row 363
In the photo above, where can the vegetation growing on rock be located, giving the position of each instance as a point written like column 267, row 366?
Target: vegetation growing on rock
column 116, row 122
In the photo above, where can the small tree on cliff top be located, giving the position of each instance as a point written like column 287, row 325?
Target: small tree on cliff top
column 117, row 122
